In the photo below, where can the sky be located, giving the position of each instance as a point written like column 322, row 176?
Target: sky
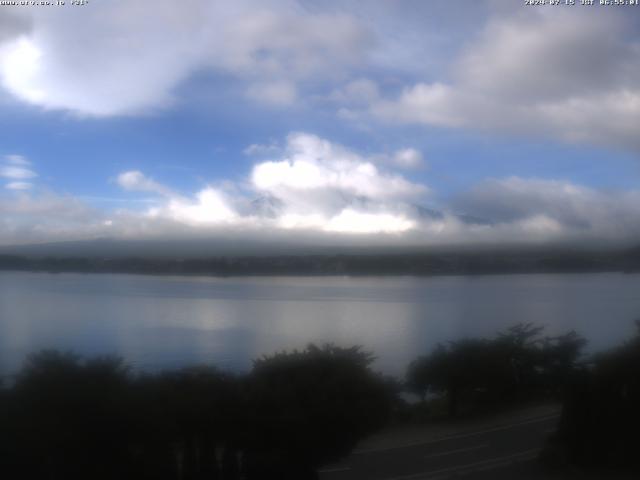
column 381, row 122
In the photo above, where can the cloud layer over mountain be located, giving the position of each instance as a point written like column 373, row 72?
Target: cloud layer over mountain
column 322, row 192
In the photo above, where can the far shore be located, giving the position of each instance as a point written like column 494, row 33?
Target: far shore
column 401, row 264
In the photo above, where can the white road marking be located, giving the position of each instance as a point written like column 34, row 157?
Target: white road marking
column 470, row 467
column 335, row 470
column 459, row 450
column 457, row 436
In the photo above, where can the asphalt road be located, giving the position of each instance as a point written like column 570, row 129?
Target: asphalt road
column 503, row 451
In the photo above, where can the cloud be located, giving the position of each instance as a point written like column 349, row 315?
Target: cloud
column 136, row 181
column 312, row 165
column 362, row 91
column 17, row 169
column 16, row 173
column 324, row 185
column 534, row 72
column 408, row 158
column 133, row 57
column 279, row 93
column 567, row 208
column 45, row 216
column 13, row 22
column 256, row 149
column 539, row 73
column 209, row 207
column 430, row 104
column 317, row 192
column 45, row 204
column 319, row 186
column 17, row 160
column 18, row 186
column 515, row 211
column 353, row 221
column 124, row 65
column 315, row 184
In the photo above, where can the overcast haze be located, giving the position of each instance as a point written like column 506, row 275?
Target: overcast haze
column 395, row 123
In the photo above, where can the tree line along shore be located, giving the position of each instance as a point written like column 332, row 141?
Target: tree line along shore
column 67, row 417
column 436, row 263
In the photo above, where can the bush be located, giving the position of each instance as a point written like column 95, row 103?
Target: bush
column 517, row 364
column 601, row 419
column 69, row 418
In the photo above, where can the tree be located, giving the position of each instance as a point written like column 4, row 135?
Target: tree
column 600, row 417
column 310, row 407
column 67, row 417
column 519, row 363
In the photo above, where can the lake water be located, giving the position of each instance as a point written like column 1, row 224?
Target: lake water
column 157, row 322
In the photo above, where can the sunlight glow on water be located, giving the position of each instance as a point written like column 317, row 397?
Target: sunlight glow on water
column 158, row 322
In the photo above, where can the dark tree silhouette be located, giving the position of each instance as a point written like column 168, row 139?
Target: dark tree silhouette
column 517, row 364
column 186, row 419
column 68, row 418
column 600, row 418
column 310, row 408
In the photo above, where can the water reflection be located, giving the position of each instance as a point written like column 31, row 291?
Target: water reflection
column 159, row 322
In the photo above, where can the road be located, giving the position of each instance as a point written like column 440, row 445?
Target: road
column 493, row 451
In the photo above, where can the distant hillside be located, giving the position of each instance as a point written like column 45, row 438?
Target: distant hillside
column 437, row 263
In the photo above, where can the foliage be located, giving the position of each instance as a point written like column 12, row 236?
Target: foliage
column 70, row 418
column 518, row 363
column 313, row 406
column 600, row 419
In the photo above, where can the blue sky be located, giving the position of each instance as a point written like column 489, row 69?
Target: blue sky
column 337, row 120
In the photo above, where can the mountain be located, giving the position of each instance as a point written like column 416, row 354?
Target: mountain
column 107, row 256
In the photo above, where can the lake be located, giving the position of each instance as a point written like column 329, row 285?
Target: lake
column 158, row 322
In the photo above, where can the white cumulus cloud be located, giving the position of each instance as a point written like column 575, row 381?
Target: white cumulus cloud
column 327, row 186
column 18, row 185
column 312, row 164
column 313, row 184
column 14, row 159
column 209, row 207
column 133, row 55
column 17, row 173
column 135, row 180
column 353, row 221
column 275, row 93
column 567, row 74
column 17, row 170
column 315, row 190
column 408, row 158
